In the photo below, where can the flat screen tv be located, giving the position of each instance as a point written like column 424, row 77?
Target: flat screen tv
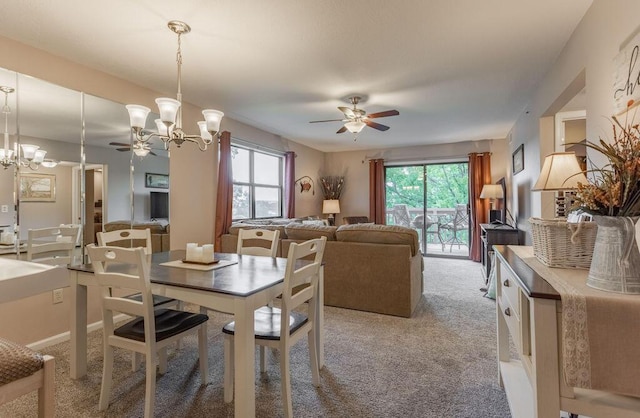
column 159, row 205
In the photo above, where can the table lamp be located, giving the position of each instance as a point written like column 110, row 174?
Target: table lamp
column 560, row 173
column 493, row 192
column 331, row 207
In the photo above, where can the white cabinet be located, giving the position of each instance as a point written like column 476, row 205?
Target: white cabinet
column 529, row 314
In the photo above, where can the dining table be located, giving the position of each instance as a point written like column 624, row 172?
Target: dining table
column 240, row 285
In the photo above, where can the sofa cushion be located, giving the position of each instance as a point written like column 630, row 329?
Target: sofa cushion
column 154, row 227
column 379, row 234
column 298, row 231
column 233, row 229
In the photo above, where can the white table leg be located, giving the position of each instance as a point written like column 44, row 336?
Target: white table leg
column 244, row 358
column 78, row 360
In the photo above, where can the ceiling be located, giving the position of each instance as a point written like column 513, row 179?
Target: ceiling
column 455, row 70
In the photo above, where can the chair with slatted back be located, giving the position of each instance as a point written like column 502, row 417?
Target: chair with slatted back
column 261, row 242
column 22, row 371
column 130, row 238
column 151, row 330
column 53, row 246
column 270, row 321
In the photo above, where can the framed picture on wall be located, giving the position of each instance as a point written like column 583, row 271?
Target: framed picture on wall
column 517, row 159
column 37, row 187
column 156, row 181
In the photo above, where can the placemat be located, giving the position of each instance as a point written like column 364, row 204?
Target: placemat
column 201, row 267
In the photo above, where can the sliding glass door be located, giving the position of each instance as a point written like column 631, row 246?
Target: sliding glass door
column 433, row 199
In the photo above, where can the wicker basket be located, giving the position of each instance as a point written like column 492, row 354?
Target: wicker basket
column 557, row 243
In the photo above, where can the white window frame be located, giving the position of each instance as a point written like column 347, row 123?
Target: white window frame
column 252, row 184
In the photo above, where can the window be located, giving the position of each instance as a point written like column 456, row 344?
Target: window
column 257, row 184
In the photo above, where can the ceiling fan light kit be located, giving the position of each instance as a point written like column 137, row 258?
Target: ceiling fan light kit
column 356, row 119
column 170, row 123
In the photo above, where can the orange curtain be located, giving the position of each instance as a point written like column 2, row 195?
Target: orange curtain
column 225, row 190
column 377, row 212
column 479, row 175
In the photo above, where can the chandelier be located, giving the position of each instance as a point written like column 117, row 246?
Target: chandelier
column 32, row 155
column 170, row 123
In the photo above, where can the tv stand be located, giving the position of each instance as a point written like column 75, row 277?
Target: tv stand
column 494, row 234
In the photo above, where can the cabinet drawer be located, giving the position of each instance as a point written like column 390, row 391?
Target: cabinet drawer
column 510, row 290
column 513, row 322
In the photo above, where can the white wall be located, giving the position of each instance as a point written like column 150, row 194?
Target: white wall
column 591, row 51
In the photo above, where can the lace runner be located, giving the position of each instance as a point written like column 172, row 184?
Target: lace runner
column 600, row 330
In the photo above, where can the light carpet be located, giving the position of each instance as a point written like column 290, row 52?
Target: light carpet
column 439, row 363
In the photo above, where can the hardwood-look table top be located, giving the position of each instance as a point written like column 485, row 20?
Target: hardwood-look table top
column 531, row 282
column 250, row 275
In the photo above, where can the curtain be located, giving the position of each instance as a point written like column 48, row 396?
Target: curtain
column 224, row 199
column 377, row 212
column 289, row 184
column 479, row 175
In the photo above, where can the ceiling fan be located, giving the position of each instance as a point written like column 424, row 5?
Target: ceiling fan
column 356, row 119
column 139, row 148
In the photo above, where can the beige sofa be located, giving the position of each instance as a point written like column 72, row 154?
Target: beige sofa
column 373, row 268
column 159, row 233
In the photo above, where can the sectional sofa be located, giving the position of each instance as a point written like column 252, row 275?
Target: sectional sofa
column 373, row 268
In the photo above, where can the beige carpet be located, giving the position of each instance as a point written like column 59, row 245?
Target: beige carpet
column 439, row 363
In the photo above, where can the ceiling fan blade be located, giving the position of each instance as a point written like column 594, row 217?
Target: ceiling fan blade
column 376, row 125
column 119, row 144
column 341, row 130
column 348, row 112
column 123, row 149
column 328, row 120
column 384, row 114
column 153, row 153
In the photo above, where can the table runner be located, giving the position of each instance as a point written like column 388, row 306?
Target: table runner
column 600, row 330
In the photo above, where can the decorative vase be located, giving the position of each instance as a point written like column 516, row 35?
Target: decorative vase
column 615, row 265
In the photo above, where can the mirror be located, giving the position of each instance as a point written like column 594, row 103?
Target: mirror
column 7, row 175
column 51, row 117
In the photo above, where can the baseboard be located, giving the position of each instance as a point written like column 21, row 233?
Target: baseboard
column 66, row 336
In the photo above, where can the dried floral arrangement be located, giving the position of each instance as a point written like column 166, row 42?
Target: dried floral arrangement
column 332, row 186
column 615, row 188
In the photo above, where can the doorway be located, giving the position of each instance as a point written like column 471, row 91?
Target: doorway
column 433, row 199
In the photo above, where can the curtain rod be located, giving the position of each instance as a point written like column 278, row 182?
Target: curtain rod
column 238, row 141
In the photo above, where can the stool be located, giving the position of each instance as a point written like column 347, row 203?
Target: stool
column 23, row 370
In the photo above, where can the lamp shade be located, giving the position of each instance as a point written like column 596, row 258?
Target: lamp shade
column 38, row 157
column 137, row 115
column 491, row 191
column 560, row 171
column 331, row 206
column 29, row 151
column 162, row 128
column 203, row 131
column 213, row 119
column 355, row 126
column 168, row 109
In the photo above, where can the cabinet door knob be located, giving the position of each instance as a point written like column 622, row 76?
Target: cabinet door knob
column 507, row 311
column 506, row 283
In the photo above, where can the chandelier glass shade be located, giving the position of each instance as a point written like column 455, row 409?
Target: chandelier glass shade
column 32, row 155
column 169, row 125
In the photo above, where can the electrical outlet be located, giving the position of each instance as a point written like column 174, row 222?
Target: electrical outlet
column 58, row 296
column 4, row 208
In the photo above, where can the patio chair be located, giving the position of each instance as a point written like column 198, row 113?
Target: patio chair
column 401, row 216
column 460, row 222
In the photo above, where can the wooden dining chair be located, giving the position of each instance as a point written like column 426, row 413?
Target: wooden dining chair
column 151, row 330
column 131, row 238
column 262, row 242
column 270, row 322
column 52, row 246
column 22, row 371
